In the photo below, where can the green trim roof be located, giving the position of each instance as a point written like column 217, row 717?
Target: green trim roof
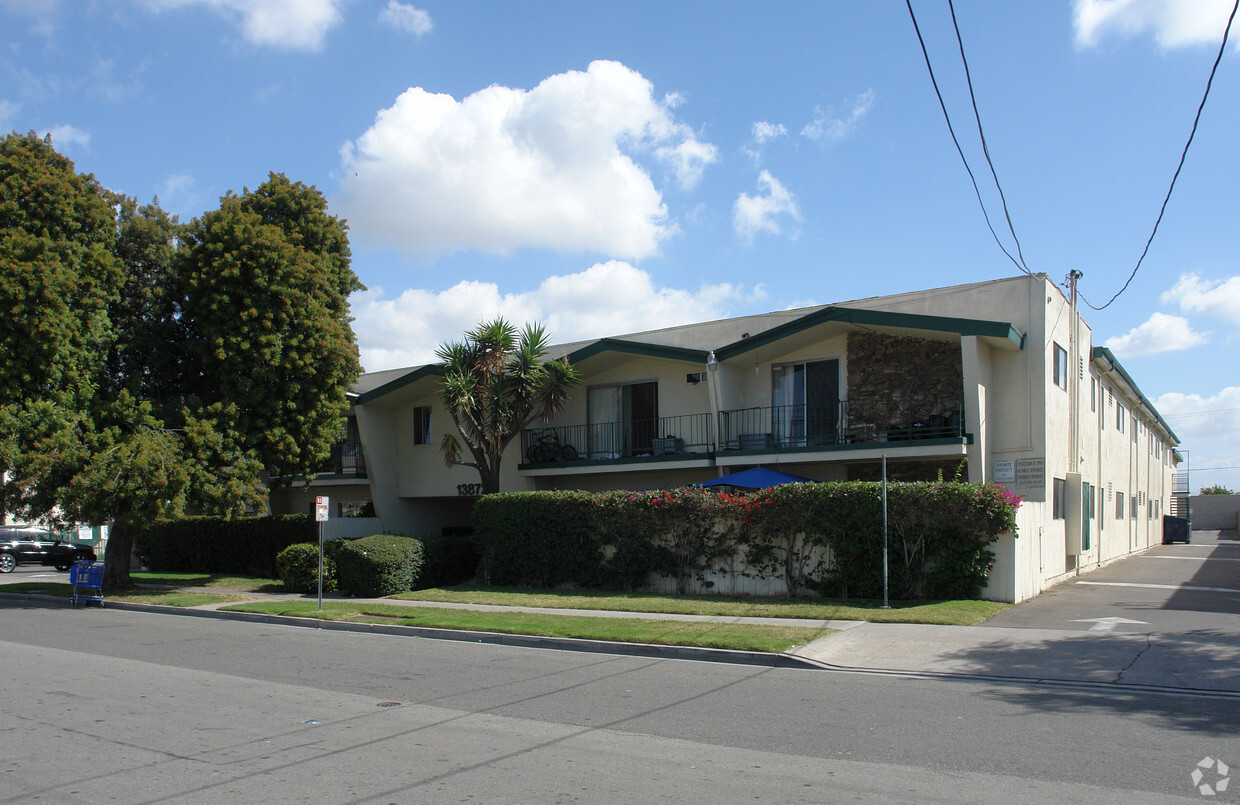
column 874, row 318
column 643, row 348
column 1102, row 353
column 413, row 376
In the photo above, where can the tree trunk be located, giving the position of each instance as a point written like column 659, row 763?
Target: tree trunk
column 116, row 557
column 489, row 474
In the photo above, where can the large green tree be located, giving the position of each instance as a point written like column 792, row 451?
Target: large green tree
column 266, row 280
column 495, row 382
column 149, row 368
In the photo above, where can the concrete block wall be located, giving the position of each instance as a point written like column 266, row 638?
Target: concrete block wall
column 1211, row 512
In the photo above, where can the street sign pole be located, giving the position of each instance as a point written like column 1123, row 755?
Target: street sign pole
column 886, row 603
column 321, row 508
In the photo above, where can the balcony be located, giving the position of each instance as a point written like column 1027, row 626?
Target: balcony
column 346, row 460
column 842, row 424
column 663, row 439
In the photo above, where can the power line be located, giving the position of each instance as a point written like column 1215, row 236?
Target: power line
column 951, row 130
column 982, row 135
column 1183, row 155
column 1202, row 413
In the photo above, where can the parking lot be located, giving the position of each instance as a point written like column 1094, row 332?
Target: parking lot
column 1171, row 588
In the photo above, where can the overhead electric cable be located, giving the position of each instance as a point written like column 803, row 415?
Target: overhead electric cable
column 1183, row 155
column 982, row 135
column 925, row 54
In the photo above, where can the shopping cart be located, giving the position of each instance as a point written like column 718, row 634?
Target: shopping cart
column 87, row 581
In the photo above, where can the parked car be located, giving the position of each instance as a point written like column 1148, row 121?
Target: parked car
column 31, row 545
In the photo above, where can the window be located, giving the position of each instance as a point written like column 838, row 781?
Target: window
column 1132, row 505
column 1134, row 430
column 805, row 403
column 1121, row 417
column 1060, row 370
column 1093, row 394
column 1119, row 505
column 422, row 424
column 1058, row 504
column 622, row 419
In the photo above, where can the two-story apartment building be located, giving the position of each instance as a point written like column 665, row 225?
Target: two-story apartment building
column 997, row 380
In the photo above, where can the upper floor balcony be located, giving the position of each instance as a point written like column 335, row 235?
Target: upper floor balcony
column 916, row 422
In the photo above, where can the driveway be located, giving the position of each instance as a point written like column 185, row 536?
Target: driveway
column 1177, row 588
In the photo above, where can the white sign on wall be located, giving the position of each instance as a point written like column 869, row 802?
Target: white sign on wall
column 1004, row 472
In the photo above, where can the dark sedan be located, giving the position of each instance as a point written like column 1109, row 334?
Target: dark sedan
column 30, row 545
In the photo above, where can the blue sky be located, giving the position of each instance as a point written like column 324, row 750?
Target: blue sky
column 620, row 167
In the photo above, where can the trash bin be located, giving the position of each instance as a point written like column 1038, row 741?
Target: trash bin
column 1175, row 529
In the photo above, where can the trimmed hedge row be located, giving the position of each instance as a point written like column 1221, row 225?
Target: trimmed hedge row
column 822, row 538
column 246, row 545
column 286, row 547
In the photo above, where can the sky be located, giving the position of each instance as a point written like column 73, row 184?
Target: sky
column 612, row 168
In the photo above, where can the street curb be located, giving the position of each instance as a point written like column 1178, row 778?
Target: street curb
column 650, row 650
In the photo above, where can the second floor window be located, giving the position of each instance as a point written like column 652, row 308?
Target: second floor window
column 1060, row 369
column 422, row 424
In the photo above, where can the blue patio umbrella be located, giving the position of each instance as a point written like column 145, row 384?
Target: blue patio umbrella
column 756, row 478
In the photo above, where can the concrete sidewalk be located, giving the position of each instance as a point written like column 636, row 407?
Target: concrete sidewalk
column 1176, row 661
column 1180, row 662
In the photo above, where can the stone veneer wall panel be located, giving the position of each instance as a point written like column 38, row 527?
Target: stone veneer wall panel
column 896, row 380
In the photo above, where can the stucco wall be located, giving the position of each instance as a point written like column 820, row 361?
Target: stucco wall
column 1214, row 511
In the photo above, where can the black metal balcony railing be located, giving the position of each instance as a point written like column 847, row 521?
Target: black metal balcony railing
column 785, row 427
column 346, row 459
column 665, row 436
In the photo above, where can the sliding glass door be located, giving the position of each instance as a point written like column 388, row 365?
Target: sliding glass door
column 805, row 400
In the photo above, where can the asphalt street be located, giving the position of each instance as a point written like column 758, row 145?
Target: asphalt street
column 100, row 705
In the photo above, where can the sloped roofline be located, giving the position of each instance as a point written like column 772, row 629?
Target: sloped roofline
column 1102, row 354
column 413, row 376
column 874, row 318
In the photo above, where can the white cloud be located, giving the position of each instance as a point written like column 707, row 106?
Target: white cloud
column 1209, row 428
column 1174, row 23
column 8, row 111
column 827, row 126
column 1218, row 298
column 177, row 194
column 1160, row 333
column 404, row 17
column 63, row 136
column 285, row 24
column 551, row 168
column 611, row 298
column 764, row 132
column 759, row 213
column 688, row 159
column 41, row 12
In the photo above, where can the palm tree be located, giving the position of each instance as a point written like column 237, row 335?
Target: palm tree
column 496, row 382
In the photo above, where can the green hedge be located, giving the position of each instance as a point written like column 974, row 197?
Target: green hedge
column 246, row 545
column 384, row 564
column 448, row 560
column 298, row 566
column 822, row 538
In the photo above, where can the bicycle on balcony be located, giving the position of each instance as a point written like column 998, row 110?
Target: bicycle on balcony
column 548, row 449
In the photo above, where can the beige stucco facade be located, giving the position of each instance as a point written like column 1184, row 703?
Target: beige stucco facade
column 999, row 377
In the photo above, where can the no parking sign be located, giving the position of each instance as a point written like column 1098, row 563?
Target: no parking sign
column 321, row 508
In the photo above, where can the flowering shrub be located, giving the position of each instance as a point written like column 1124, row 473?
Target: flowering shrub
column 825, row 538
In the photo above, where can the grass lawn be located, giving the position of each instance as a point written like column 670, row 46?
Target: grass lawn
column 219, row 580
column 138, row 595
column 742, row 637
column 951, row 613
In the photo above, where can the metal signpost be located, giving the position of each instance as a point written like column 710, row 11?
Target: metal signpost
column 321, row 508
column 886, row 603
